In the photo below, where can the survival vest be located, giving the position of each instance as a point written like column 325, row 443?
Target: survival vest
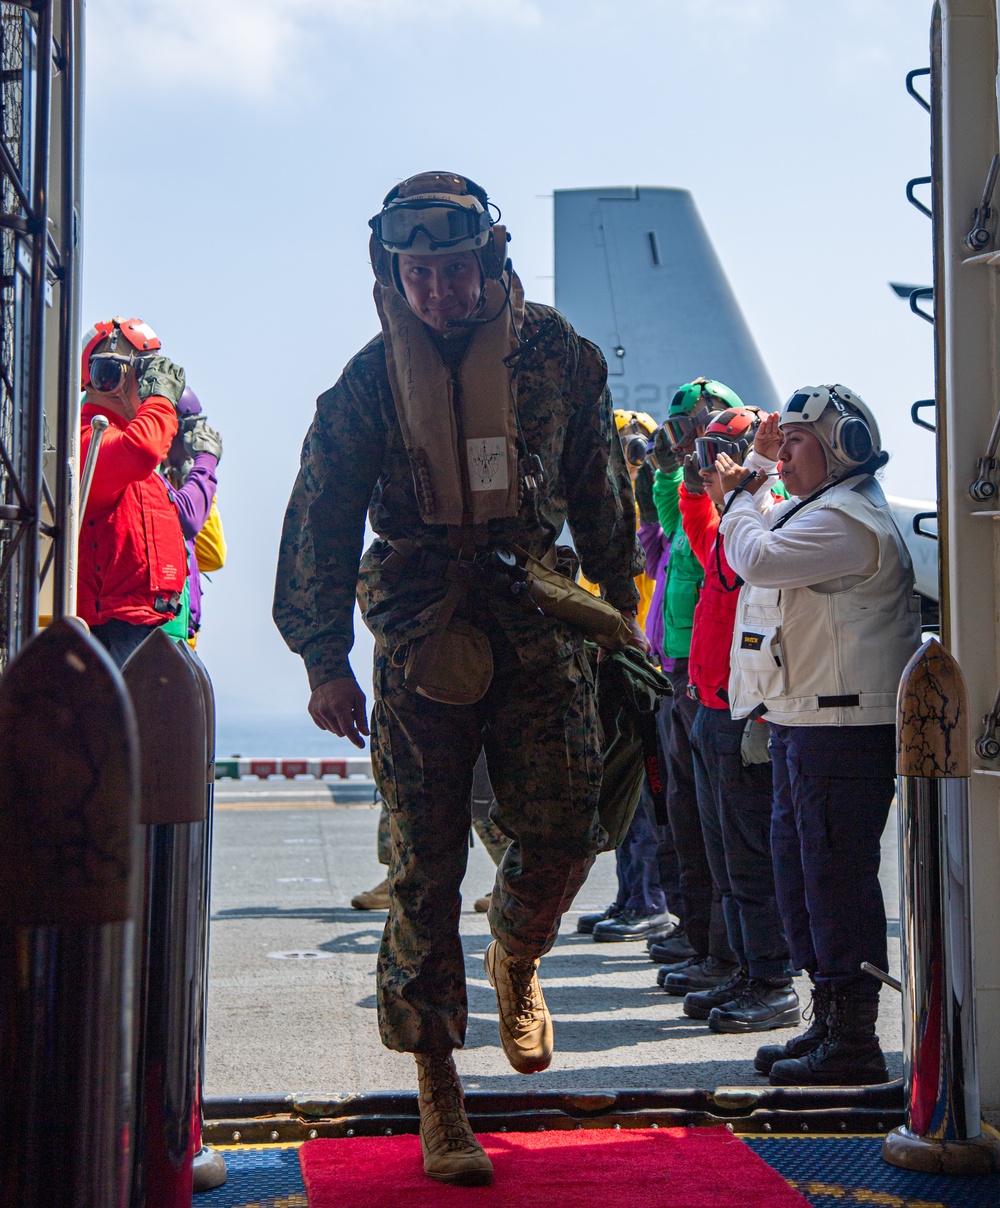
column 815, row 658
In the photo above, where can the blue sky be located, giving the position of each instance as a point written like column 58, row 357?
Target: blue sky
column 235, row 150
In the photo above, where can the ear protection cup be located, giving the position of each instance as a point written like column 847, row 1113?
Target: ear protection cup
column 493, row 256
column 851, row 435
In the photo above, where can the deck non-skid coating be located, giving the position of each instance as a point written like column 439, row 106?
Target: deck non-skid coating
column 841, row 1172
column 836, row 1172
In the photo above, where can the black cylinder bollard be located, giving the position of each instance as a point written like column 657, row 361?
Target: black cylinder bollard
column 170, row 713
column 209, row 1164
column 68, row 874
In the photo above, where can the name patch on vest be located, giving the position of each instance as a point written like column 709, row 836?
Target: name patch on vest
column 487, row 457
column 751, row 641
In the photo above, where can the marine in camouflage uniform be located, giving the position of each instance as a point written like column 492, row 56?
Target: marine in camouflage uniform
column 537, row 721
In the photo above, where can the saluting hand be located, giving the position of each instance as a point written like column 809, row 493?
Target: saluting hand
column 339, row 706
column 767, row 440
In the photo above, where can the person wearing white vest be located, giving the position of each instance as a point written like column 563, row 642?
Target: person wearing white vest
column 826, row 622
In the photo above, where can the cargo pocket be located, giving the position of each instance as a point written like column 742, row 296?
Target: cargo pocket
column 758, row 655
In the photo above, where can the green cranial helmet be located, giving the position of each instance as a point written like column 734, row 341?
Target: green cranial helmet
column 693, row 404
column 690, row 398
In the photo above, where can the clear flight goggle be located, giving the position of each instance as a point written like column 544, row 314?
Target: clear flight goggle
column 444, row 224
column 708, row 448
column 108, row 370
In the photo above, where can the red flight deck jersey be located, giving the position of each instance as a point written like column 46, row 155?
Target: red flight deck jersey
column 132, row 553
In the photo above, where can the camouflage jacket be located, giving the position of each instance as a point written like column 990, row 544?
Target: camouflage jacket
column 354, row 460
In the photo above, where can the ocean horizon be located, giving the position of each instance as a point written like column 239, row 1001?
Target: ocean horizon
column 286, row 735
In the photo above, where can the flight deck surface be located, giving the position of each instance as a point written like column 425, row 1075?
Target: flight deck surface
column 292, row 981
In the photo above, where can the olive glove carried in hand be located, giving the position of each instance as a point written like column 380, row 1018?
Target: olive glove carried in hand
column 693, row 480
column 643, row 489
column 666, row 460
column 203, row 439
column 161, row 376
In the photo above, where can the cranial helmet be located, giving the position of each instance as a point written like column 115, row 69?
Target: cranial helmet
column 188, row 403
column 729, row 432
column 436, row 214
column 841, row 422
column 692, row 406
column 635, row 428
column 125, row 338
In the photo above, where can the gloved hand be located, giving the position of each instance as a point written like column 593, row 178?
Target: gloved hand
column 161, row 377
column 203, row 439
column 666, row 459
column 643, row 490
column 693, row 480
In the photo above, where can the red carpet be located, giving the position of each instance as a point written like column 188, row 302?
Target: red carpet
column 590, row 1168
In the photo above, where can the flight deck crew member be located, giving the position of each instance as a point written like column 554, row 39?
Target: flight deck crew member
column 825, row 625
column 475, row 422
column 133, row 563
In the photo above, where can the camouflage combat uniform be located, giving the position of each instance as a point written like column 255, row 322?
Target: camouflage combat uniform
column 490, row 835
column 537, row 722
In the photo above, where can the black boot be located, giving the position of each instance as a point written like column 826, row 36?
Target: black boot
column 586, row 923
column 808, row 1041
column 849, row 1056
column 702, row 975
column 699, row 1003
column 763, row 1005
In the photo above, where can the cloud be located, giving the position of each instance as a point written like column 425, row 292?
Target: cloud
column 247, row 47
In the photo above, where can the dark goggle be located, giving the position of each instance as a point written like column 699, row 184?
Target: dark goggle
column 444, row 223
column 708, row 448
column 635, row 449
column 108, row 370
column 680, row 428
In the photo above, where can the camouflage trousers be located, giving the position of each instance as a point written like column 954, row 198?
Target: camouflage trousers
column 538, row 725
column 483, row 799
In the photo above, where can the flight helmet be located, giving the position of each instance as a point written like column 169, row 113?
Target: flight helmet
column 693, row 405
column 635, row 429
column 840, row 420
column 436, row 214
column 730, row 432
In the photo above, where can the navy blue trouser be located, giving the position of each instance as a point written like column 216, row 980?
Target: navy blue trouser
column 647, row 883
column 735, row 806
column 702, row 918
column 833, row 786
column 120, row 638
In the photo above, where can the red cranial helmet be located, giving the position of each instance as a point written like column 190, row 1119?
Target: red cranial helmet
column 138, row 335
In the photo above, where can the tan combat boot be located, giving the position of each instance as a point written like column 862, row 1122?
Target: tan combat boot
column 372, row 899
column 482, row 905
column 451, row 1152
column 525, row 1023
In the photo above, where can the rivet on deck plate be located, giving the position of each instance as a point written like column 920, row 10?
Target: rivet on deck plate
column 541, row 1128
column 237, row 1136
column 843, row 1126
column 388, row 1132
column 767, row 1127
column 350, row 1132
column 880, row 1126
column 313, row 1134
column 730, row 1127
column 654, row 1126
column 274, row 1135
column 618, row 1126
column 805, row 1127
column 504, row 1128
